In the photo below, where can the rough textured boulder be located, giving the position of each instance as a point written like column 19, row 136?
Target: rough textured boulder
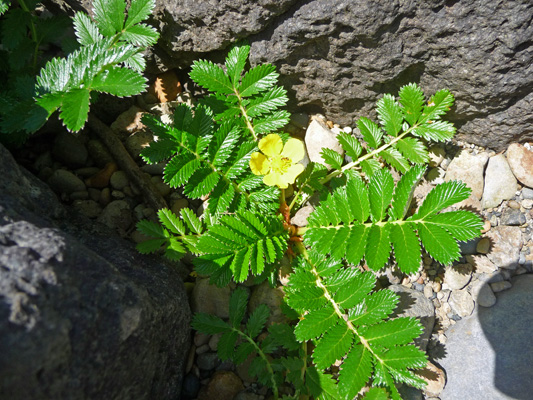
column 82, row 314
column 337, row 57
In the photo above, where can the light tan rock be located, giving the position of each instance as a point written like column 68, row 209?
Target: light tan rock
column 500, row 183
column 435, row 378
column 468, row 168
column 520, row 160
column 319, row 136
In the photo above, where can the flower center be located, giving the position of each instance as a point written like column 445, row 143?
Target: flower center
column 280, row 164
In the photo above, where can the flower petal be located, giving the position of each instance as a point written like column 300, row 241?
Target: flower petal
column 259, row 164
column 292, row 173
column 274, row 179
column 271, row 145
column 294, row 150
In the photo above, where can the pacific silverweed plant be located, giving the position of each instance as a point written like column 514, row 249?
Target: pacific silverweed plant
column 107, row 58
column 339, row 337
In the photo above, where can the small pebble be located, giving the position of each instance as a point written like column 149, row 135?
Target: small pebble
column 202, row 349
column 486, row 226
column 514, row 204
column 483, row 246
column 207, row 361
column 527, row 193
column 527, row 203
column 500, row 286
column 512, row 217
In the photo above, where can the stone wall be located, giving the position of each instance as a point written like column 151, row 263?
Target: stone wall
column 337, row 57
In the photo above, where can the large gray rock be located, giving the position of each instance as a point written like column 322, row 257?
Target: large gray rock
column 82, row 314
column 488, row 355
column 338, row 57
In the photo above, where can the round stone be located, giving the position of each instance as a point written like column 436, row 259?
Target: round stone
column 483, row 246
column 119, row 180
column 63, row 181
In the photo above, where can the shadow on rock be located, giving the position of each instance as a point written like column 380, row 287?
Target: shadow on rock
column 489, row 353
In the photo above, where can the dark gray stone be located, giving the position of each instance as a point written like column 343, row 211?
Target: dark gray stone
column 512, row 217
column 207, row 361
column 414, row 304
column 70, row 150
column 82, row 314
column 488, row 355
column 338, row 57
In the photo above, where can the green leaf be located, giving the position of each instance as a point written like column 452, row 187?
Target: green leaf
column 394, row 332
column 270, row 101
column 371, row 132
column 402, row 357
column 355, row 371
column 242, row 352
column 309, row 298
column 438, row 243
column 412, row 100
column 141, row 35
column 380, row 189
column 4, row 5
column 354, row 290
column 356, row 246
column 395, row 159
column 376, row 394
column 119, row 82
column 378, row 246
column 75, row 109
column 442, row 196
column 332, row 158
column 109, row 15
column 50, row 102
column 192, row 221
column 237, row 306
column 315, row 323
column 320, row 385
column 86, row 30
column 438, row 131
column 412, row 149
column 438, row 105
column 462, row 225
column 258, row 79
column 283, row 334
column 257, row 320
column 370, row 167
column 390, row 114
column 171, row 221
column 150, row 246
column 235, row 62
column 211, row 77
column 226, row 345
column 271, row 122
column 152, row 229
column 403, row 194
column 15, row 26
column 359, row 203
column 350, row 144
column 406, row 247
column 139, row 11
column 210, row 324
column 333, row 346
column 374, row 308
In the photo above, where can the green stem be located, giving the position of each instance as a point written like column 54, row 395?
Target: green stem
column 264, row 357
column 33, row 30
column 245, row 114
column 355, row 163
column 303, row 251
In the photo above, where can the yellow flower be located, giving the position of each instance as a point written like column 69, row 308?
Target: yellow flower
column 278, row 163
